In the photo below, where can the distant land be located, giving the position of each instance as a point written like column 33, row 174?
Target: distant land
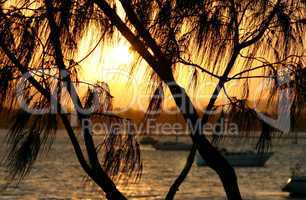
column 6, row 118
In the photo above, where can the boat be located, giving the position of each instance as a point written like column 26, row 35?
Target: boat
column 296, row 186
column 240, row 159
column 148, row 140
column 172, row 146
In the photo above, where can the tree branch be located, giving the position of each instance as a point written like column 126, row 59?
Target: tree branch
column 25, row 72
column 180, row 179
column 144, row 33
column 107, row 184
column 199, row 67
column 163, row 72
column 262, row 28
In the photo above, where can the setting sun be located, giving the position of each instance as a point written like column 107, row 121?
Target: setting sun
column 119, row 55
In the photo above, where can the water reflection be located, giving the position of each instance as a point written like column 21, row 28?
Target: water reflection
column 59, row 177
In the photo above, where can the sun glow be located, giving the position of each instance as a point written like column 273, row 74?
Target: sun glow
column 119, row 55
column 104, row 60
column 110, row 62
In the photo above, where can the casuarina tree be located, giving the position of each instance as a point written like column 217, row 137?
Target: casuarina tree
column 246, row 42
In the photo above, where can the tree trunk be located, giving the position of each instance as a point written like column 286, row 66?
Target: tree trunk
column 101, row 179
column 180, row 179
column 209, row 153
column 163, row 68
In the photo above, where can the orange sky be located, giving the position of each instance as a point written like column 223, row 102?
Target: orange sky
column 111, row 62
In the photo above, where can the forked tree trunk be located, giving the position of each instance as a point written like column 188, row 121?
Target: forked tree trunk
column 209, row 153
column 97, row 173
column 163, row 68
column 98, row 176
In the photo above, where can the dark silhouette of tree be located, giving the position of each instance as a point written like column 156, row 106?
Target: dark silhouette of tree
column 51, row 35
column 221, row 40
column 222, row 31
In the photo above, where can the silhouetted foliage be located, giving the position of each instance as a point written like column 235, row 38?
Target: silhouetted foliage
column 222, row 41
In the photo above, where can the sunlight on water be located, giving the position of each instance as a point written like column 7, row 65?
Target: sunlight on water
column 59, row 176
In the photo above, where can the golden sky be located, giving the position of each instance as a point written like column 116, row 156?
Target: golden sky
column 111, row 61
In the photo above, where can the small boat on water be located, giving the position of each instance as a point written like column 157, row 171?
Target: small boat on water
column 172, row 146
column 296, row 186
column 240, row 159
column 148, row 141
